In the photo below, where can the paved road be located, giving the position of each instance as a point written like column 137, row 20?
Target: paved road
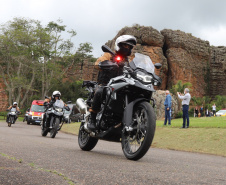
column 28, row 158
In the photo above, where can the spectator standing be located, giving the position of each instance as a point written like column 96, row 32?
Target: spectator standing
column 214, row 109
column 185, row 103
column 207, row 113
column 201, row 111
column 196, row 111
column 167, row 104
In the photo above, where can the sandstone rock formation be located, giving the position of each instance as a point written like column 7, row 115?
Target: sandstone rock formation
column 184, row 57
column 188, row 58
column 217, row 71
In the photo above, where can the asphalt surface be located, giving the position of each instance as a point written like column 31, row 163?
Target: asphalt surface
column 28, row 158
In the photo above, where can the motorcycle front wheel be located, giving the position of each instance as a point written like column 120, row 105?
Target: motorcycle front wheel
column 136, row 143
column 85, row 141
column 10, row 122
column 55, row 128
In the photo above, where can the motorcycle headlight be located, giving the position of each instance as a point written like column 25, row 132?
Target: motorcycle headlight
column 59, row 110
column 144, row 77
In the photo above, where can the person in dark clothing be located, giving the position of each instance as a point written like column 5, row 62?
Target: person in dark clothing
column 48, row 102
column 123, row 48
column 196, row 111
column 201, row 111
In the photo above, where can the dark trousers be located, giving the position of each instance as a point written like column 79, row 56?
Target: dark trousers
column 214, row 112
column 167, row 116
column 98, row 97
column 185, row 115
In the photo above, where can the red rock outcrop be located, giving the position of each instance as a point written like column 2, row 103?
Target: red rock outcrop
column 217, row 70
column 188, row 58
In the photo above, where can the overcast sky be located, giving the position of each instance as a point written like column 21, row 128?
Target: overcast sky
column 97, row 21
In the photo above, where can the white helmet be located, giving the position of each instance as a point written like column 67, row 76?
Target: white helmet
column 127, row 39
column 56, row 93
column 15, row 103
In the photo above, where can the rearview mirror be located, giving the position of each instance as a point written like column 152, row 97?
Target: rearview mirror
column 69, row 102
column 46, row 97
column 158, row 65
column 107, row 49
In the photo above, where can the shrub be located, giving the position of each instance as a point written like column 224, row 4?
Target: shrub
column 179, row 115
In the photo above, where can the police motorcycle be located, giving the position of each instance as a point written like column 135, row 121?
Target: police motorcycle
column 53, row 118
column 12, row 116
column 126, row 114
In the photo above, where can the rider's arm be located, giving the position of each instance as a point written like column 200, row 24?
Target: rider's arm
column 47, row 99
column 10, row 107
column 105, row 56
column 18, row 109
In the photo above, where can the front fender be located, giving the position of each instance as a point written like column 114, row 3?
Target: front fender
column 128, row 112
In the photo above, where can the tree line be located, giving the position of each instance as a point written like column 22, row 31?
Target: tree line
column 34, row 59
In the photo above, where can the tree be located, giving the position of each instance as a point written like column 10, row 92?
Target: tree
column 16, row 65
column 179, row 87
column 83, row 52
column 29, row 51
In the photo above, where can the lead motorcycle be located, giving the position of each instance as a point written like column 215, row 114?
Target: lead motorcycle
column 53, row 118
column 126, row 114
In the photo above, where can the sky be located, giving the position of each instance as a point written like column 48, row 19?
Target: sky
column 97, row 21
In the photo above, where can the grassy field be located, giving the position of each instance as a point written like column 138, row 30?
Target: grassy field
column 205, row 135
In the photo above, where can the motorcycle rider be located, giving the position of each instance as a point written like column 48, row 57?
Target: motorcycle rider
column 123, row 48
column 13, row 108
column 50, row 101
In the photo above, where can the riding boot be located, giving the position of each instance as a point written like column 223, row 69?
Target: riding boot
column 92, row 122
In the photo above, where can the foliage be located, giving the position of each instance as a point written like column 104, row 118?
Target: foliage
column 179, row 87
column 207, row 102
column 70, row 91
column 33, row 58
column 179, row 115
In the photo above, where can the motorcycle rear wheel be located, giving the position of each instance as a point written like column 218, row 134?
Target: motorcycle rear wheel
column 53, row 131
column 85, row 141
column 136, row 143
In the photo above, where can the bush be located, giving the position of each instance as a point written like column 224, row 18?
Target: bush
column 179, row 115
column 191, row 112
column 3, row 113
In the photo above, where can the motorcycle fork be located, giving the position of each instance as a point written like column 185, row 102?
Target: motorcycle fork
column 51, row 121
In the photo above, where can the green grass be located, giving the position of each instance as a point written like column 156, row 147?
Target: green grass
column 202, row 122
column 205, row 135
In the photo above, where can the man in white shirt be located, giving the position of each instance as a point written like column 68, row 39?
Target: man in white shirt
column 185, row 103
column 214, row 109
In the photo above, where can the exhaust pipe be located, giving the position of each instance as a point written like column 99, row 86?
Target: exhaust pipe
column 81, row 106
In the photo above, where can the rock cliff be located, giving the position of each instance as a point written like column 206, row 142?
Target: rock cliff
column 183, row 57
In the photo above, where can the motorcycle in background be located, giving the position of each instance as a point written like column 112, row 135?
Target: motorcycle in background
column 12, row 117
column 53, row 118
column 26, row 115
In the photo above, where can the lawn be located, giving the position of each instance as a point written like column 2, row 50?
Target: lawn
column 205, row 135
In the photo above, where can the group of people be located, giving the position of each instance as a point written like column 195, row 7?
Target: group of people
column 200, row 112
column 186, row 97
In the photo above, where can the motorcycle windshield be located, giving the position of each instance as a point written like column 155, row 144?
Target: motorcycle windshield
column 59, row 104
column 144, row 62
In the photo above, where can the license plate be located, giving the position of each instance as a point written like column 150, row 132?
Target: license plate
column 37, row 121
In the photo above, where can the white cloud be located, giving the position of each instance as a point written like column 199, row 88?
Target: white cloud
column 98, row 21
